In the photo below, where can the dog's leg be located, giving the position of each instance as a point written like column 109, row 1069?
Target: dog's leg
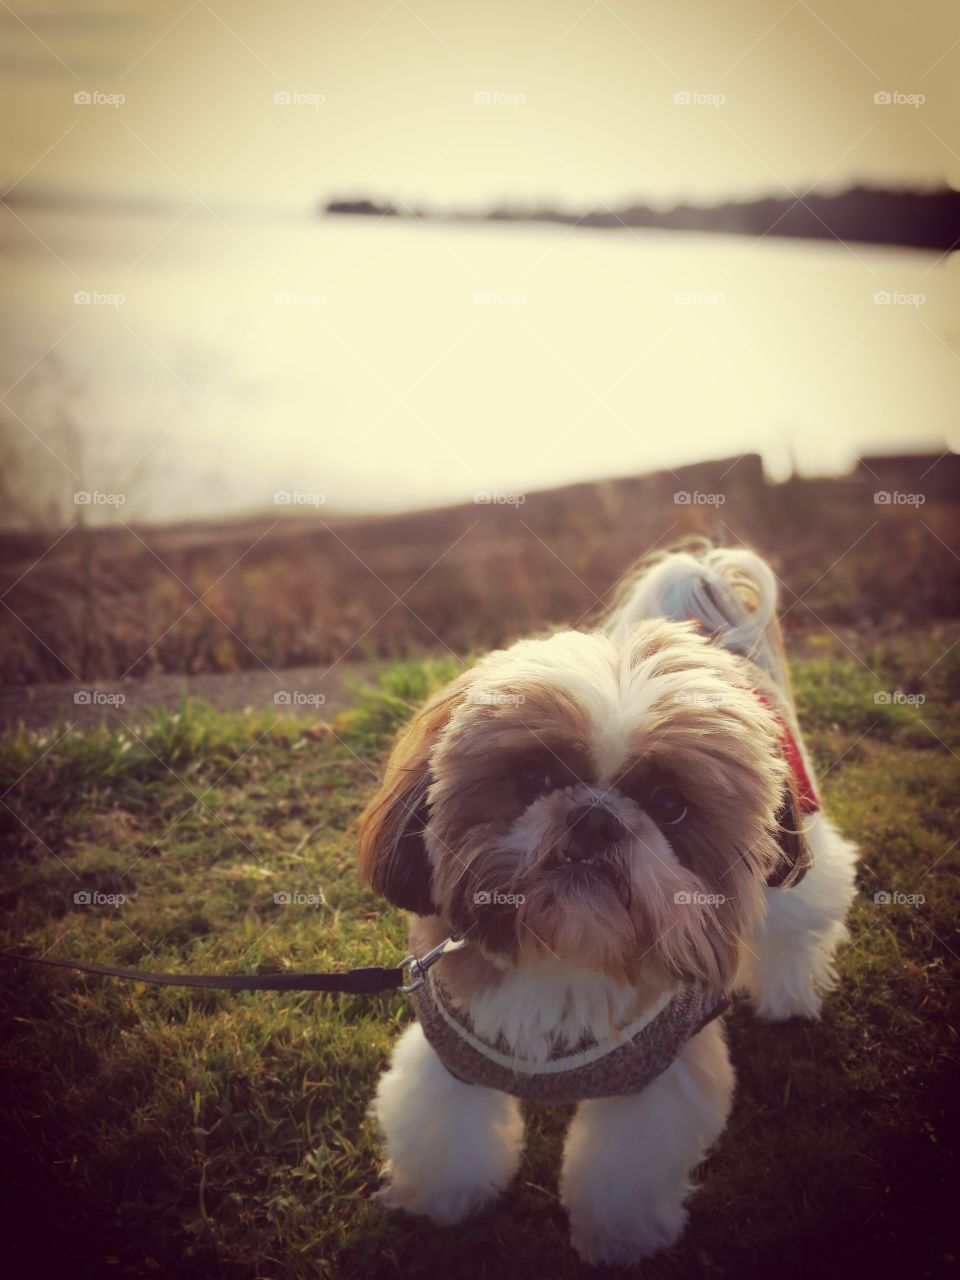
column 627, row 1161
column 450, row 1146
column 790, row 963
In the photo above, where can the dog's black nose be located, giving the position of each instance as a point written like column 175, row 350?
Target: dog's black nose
column 592, row 829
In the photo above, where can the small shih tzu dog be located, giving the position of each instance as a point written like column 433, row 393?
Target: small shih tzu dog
column 622, row 827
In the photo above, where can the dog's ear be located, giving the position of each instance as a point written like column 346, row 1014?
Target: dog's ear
column 795, row 856
column 392, row 855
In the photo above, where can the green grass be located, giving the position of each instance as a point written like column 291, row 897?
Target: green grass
column 154, row 1132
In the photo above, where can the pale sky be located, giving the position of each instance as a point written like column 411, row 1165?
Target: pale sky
column 580, row 99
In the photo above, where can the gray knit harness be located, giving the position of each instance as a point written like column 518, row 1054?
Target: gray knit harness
column 641, row 1050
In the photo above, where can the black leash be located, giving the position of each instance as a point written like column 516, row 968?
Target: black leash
column 355, row 982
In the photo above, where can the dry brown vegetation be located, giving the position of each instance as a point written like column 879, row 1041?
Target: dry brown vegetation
column 121, row 601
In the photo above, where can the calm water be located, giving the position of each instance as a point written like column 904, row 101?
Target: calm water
column 388, row 366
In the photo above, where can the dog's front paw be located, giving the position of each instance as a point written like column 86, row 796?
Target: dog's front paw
column 610, row 1243
column 791, row 984
column 451, row 1147
column 444, row 1206
column 775, row 1005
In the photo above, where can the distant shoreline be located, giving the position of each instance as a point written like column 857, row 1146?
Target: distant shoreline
column 926, row 220
column 907, row 219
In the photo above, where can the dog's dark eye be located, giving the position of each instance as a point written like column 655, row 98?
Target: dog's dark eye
column 667, row 807
column 534, row 780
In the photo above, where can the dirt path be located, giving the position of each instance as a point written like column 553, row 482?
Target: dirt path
column 319, row 692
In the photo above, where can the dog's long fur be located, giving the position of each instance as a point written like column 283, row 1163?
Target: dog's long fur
column 476, row 830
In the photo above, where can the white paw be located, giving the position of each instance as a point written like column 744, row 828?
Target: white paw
column 777, row 1005
column 791, row 983
column 450, row 1147
column 611, row 1244
column 443, row 1206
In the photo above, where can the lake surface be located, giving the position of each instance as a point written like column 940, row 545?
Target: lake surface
column 373, row 365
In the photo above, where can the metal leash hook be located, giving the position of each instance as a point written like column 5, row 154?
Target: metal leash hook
column 418, row 967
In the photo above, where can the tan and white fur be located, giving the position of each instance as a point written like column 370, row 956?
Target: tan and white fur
column 597, row 815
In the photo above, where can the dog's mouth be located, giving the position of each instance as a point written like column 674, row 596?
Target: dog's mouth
column 598, row 863
column 563, row 854
column 564, row 862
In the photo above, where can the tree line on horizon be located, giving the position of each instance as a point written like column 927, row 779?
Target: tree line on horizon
column 915, row 219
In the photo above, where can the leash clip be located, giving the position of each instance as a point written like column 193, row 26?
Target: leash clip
column 419, row 966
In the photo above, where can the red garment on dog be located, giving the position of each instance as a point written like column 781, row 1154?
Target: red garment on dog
column 806, row 793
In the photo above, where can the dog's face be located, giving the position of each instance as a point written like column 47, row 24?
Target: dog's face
column 610, row 805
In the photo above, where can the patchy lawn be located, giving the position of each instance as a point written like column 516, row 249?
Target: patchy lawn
column 160, row 1132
